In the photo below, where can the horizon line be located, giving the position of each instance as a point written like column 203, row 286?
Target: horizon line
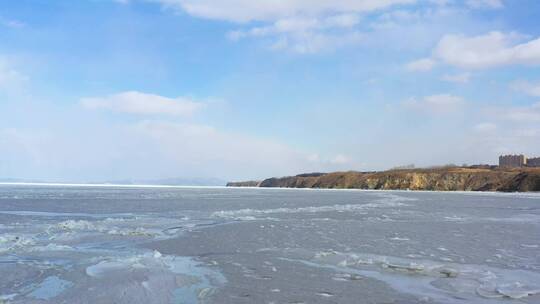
column 104, row 185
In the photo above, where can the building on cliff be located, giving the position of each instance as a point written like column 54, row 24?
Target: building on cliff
column 533, row 162
column 512, row 161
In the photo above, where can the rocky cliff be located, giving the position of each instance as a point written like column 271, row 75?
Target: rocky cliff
column 441, row 179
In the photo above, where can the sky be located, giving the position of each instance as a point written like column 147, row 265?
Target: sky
column 95, row 90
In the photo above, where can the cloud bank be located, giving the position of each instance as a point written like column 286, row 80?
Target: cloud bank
column 490, row 50
column 134, row 102
column 242, row 11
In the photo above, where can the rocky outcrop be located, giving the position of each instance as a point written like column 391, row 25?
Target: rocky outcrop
column 440, row 179
column 522, row 182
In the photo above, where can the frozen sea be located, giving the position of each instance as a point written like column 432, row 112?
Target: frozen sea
column 90, row 244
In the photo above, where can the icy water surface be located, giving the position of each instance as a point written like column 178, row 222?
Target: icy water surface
column 215, row 245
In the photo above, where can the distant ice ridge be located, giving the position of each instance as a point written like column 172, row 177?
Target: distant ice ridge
column 386, row 201
column 63, row 235
column 62, row 214
column 107, row 226
column 444, row 282
column 519, row 218
column 59, row 234
column 49, row 231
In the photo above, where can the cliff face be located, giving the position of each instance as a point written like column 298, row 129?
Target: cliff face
column 522, row 182
column 443, row 179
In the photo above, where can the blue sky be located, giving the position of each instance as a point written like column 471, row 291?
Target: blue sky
column 237, row 89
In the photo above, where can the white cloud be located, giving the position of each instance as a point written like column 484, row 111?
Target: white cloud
column 271, row 10
column 489, row 4
column 529, row 88
column 421, row 65
column 457, row 78
column 311, row 26
column 306, row 34
column 489, row 50
column 141, row 103
column 298, row 25
column 406, row 17
column 410, row 30
column 301, row 26
column 435, row 104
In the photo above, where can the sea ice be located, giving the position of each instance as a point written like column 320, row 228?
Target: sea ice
column 50, row 287
column 422, row 275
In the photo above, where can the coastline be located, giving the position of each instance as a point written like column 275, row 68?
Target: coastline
column 450, row 179
column 75, row 185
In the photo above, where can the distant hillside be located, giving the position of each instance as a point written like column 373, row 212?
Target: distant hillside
column 439, row 179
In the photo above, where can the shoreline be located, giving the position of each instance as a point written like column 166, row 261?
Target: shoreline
column 83, row 185
column 431, row 179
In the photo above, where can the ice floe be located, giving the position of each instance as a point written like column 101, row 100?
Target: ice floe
column 444, row 282
column 100, row 247
column 147, row 260
column 312, row 209
column 10, row 242
column 49, row 288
